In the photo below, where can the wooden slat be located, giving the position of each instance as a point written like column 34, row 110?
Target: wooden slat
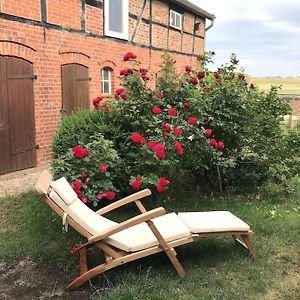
column 19, row 149
column 75, row 88
column 5, row 159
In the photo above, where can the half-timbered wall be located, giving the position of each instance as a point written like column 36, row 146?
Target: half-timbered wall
column 50, row 34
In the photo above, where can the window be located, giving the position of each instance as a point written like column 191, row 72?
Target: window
column 106, row 81
column 116, row 18
column 175, row 19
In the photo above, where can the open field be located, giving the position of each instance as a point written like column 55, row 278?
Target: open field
column 36, row 263
column 289, row 85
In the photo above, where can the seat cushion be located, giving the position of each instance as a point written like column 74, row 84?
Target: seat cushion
column 83, row 215
column 140, row 236
column 62, row 187
column 213, row 221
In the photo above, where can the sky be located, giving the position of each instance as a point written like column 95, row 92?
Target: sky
column 265, row 35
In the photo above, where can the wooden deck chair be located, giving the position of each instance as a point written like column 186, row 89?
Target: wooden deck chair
column 143, row 235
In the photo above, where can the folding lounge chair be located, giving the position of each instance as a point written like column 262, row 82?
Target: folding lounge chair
column 146, row 234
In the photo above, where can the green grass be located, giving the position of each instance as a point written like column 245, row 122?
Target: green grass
column 217, row 268
column 289, row 85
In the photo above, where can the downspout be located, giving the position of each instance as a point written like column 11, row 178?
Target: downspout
column 211, row 24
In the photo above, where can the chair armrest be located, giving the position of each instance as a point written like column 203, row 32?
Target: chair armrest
column 154, row 213
column 126, row 200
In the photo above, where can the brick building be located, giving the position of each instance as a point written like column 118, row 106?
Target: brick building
column 56, row 55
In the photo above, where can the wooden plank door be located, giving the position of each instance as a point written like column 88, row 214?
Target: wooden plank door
column 75, row 88
column 17, row 122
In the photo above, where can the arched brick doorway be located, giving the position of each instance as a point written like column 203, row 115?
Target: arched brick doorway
column 75, row 88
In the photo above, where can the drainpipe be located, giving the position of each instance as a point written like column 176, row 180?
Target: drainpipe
column 211, row 24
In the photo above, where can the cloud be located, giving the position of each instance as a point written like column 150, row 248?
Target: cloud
column 264, row 34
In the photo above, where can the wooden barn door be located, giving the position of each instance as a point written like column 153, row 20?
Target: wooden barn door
column 17, row 123
column 75, row 88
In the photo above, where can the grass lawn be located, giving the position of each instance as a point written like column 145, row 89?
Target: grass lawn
column 289, row 85
column 217, row 267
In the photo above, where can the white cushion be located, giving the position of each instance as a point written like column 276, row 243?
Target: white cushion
column 83, row 215
column 140, row 236
column 62, row 187
column 213, row 221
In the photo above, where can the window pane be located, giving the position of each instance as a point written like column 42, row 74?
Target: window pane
column 115, row 16
column 105, row 74
column 105, row 87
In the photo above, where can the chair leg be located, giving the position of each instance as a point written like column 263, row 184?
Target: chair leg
column 169, row 251
column 86, row 276
column 249, row 244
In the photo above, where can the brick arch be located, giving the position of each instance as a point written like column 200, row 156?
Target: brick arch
column 74, row 57
column 107, row 64
column 17, row 49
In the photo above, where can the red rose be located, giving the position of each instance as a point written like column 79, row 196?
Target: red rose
column 213, row 143
column 178, row 147
column 124, row 72
column 160, row 188
column 192, row 120
column 151, row 145
column 142, row 140
column 208, row 132
column 79, row 152
column 128, row 56
column 221, row 145
column 163, row 181
column 124, row 96
column 136, row 184
column 97, row 100
column 201, row 74
column 106, row 108
column 159, row 147
column 143, row 71
column 120, row 91
column 103, row 168
column 100, row 196
column 160, row 96
column 193, row 80
column 167, row 127
column 145, row 77
column 110, row 195
column 97, row 106
column 156, row 110
column 160, row 154
column 172, row 112
column 76, row 185
column 187, row 104
column 135, row 137
column 188, row 69
column 178, row 131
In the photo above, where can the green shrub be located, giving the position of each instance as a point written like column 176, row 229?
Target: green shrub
column 208, row 128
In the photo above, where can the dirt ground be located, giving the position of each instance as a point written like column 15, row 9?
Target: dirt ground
column 25, row 279
column 20, row 181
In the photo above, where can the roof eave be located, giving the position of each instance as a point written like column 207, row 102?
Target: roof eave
column 195, row 9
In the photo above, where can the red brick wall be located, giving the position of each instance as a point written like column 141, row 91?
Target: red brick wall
column 48, row 47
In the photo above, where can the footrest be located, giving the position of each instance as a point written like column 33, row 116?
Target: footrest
column 213, row 221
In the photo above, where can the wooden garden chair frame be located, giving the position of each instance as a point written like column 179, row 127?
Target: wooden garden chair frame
column 115, row 257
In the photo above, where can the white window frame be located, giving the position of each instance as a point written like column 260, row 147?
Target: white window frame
column 106, row 80
column 120, row 35
column 175, row 13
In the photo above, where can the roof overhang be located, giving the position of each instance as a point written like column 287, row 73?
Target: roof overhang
column 194, row 8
